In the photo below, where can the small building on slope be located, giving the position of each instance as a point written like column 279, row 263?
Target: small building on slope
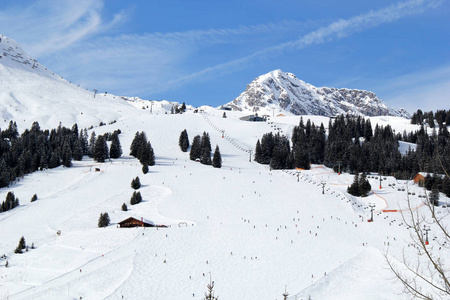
column 134, row 222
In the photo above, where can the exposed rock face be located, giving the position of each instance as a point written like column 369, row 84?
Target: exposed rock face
column 284, row 92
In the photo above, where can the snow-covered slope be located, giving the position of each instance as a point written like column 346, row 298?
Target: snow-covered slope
column 282, row 92
column 254, row 230
column 30, row 92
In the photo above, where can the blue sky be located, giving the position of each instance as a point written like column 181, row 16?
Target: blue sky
column 206, row 52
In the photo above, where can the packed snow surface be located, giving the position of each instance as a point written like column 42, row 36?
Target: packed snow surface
column 252, row 230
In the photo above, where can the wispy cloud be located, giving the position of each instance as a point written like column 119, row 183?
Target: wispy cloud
column 148, row 62
column 137, row 63
column 334, row 31
column 427, row 90
column 49, row 26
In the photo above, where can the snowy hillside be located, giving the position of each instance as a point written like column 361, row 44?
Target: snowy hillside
column 280, row 92
column 254, row 230
column 30, row 92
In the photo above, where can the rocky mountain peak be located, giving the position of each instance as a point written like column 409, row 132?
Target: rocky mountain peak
column 285, row 93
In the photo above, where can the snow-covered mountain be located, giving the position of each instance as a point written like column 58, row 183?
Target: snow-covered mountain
column 31, row 92
column 282, row 92
column 254, row 230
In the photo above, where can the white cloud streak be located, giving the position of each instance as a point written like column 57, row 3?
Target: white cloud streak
column 336, row 30
column 427, row 90
column 49, row 26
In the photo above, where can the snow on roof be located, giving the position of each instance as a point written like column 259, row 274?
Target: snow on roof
column 139, row 219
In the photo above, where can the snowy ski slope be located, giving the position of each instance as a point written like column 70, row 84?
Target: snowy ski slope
column 254, row 231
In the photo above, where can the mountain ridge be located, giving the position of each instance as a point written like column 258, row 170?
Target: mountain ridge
column 285, row 93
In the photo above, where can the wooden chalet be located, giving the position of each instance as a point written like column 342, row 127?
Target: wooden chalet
column 133, row 222
column 419, row 178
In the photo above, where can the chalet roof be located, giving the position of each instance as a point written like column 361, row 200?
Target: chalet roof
column 138, row 219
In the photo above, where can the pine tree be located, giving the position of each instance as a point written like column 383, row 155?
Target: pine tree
column 66, row 155
column 77, row 152
column 205, row 157
column 124, row 207
column 209, row 295
column 151, row 155
column 205, row 142
column 280, row 153
column 10, row 202
column 183, row 141
column 34, row 198
column 136, row 183
column 142, row 149
column 115, row 150
column 136, row 198
column 18, row 250
column 92, row 142
column 100, row 150
column 267, row 144
column 195, row 148
column 354, row 188
column 83, row 140
column 55, row 160
column 145, row 168
column 428, row 182
column 183, row 108
column 258, row 151
column 364, row 185
column 285, row 295
column 146, row 155
column 73, row 135
column 22, row 245
column 217, row 158
column 104, row 220
column 300, row 150
column 135, row 144
column 133, row 199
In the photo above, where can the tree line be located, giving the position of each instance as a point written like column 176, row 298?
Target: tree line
column 355, row 147
column 36, row 149
column 422, row 118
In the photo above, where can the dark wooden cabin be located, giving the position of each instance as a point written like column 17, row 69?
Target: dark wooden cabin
column 133, row 222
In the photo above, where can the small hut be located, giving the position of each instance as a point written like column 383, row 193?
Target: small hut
column 419, row 178
column 134, row 222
